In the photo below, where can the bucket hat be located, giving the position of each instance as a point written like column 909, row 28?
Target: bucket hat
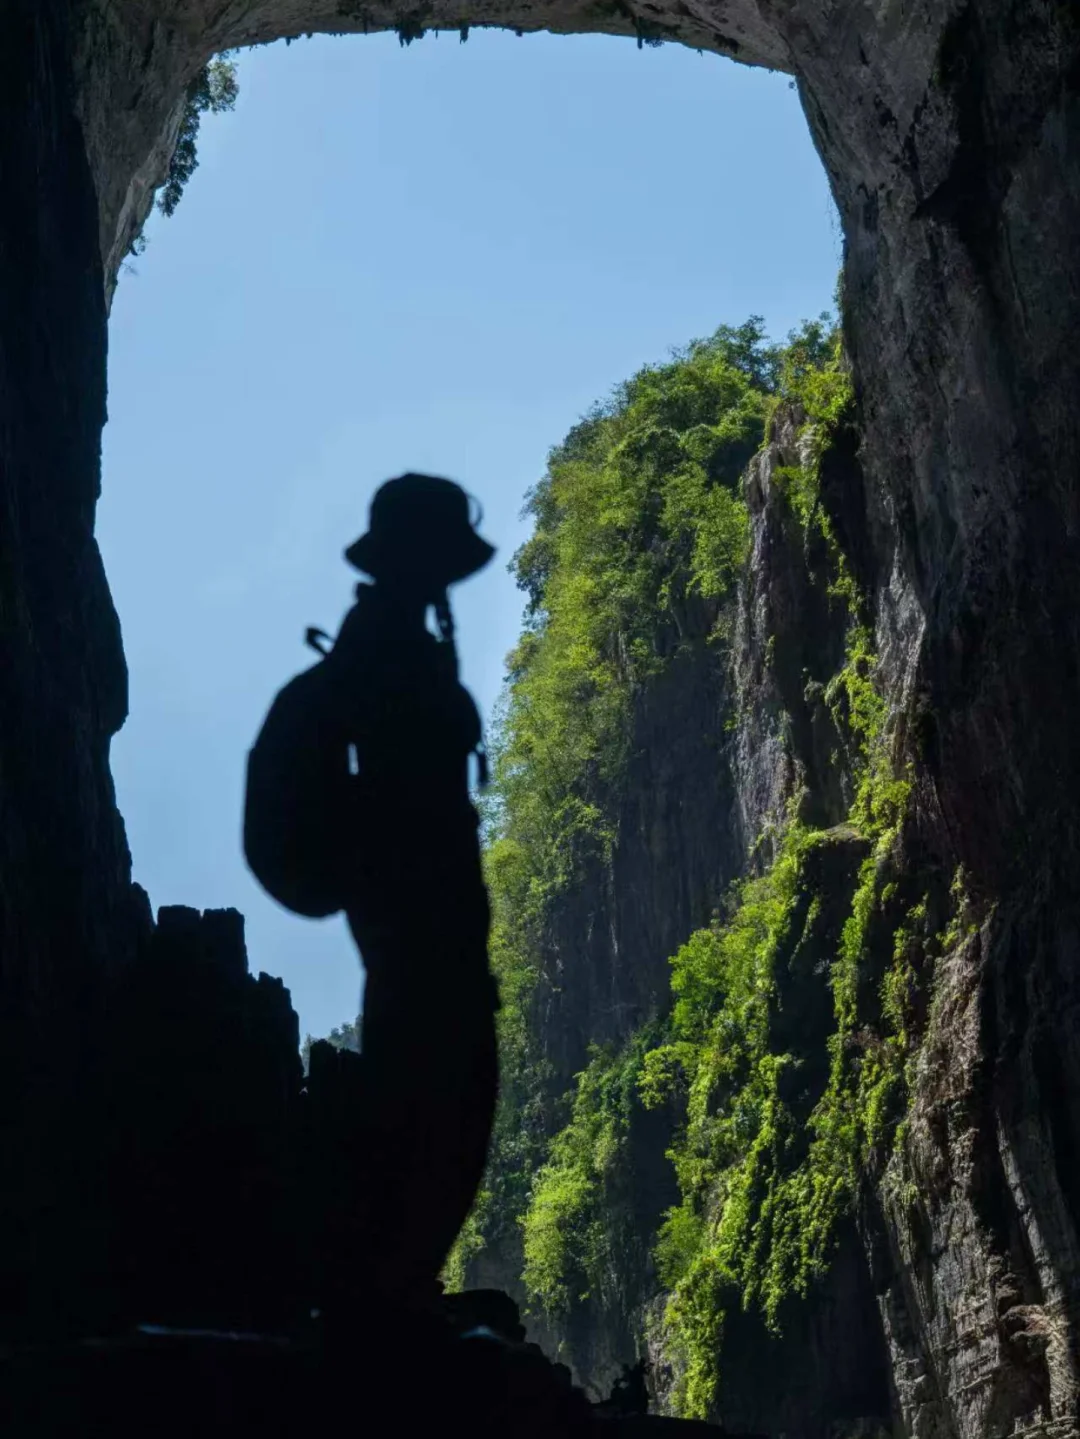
column 420, row 527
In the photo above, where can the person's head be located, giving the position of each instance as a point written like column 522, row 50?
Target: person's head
column 421, row 537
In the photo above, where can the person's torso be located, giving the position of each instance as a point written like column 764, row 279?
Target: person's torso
column 404, row 713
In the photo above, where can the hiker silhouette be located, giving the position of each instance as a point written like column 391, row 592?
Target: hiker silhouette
column 358, row 800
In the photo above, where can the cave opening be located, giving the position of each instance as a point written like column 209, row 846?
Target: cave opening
column 960, row 327
column 233, row 374
column 341, row 293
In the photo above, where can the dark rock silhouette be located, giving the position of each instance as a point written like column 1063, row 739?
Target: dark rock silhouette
column 630, row 1393
column 235, row 1184
column 268, row 1254
column 402, row 1382
column 206, row 1135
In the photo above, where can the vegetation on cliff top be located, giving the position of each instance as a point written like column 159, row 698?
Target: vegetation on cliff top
column 214, row 90
column 639, row 511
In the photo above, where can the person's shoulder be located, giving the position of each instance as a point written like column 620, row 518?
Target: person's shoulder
column 306, row 682
column 359, row 615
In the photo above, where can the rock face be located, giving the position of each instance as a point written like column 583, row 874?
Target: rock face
column 66, row 918
column 207, row 1129
column 950, row 134
column 725, row 737
column 942, row 1309
column 232, row 1181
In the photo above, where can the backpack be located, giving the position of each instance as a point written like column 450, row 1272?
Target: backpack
column 295, row 799
column 304, row 807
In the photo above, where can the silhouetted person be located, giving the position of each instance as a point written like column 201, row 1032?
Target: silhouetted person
column 358, row 799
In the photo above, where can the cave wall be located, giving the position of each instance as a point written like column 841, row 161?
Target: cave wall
column 949, row 132
column 960, row 300
column 65, row 917
column 206, row 1134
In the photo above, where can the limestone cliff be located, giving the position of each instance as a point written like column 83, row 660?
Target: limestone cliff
column 737, row 743
column 728, row 733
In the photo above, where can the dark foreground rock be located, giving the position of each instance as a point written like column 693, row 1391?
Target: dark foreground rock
column 396, row 1374
column 225, row 1306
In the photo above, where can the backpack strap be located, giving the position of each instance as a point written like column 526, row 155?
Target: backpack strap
column 315, row 637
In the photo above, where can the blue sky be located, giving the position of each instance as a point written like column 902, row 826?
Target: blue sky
column 434, row 257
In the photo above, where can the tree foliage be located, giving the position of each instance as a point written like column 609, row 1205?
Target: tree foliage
column 215, row 89
column 639, row 512
column 577, row 1231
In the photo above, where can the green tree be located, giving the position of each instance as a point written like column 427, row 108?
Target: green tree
column 214, row 90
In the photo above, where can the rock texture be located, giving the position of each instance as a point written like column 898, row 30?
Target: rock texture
column 949, row 129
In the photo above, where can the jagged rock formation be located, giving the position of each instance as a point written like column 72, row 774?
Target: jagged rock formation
column 208, row 1132
column 949, row 131
column 232, row 1184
